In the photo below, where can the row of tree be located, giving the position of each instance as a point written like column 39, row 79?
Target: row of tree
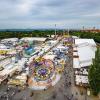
column 90, row 35
column 34, row 33
column 94, row 74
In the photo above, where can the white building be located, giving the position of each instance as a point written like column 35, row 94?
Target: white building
column 12, row 40
column 33, row 39
column 84, row 49
column 83, row 54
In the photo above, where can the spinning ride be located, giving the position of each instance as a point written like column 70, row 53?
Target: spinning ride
column 42, row 69
column 42, row 74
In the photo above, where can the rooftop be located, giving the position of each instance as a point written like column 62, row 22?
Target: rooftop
column 85, row 51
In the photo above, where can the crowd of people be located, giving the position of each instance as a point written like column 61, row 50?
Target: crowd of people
column 68, row 82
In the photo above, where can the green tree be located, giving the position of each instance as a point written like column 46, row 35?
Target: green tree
column 94, row 74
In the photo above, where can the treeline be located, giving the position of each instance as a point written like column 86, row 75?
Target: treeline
column 94, row 74
column 95, row 36
column 34, row 33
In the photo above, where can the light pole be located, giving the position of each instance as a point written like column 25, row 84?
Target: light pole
column 55, row 30
column 68, row 31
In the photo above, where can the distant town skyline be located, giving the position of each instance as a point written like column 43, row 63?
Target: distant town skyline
column 17, row 14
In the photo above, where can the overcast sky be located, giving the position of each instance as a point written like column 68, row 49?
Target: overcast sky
column 46, row 13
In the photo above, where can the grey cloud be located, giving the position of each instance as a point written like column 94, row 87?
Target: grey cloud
column 43, row 12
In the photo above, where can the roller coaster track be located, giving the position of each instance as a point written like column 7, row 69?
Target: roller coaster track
column 53, row 46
